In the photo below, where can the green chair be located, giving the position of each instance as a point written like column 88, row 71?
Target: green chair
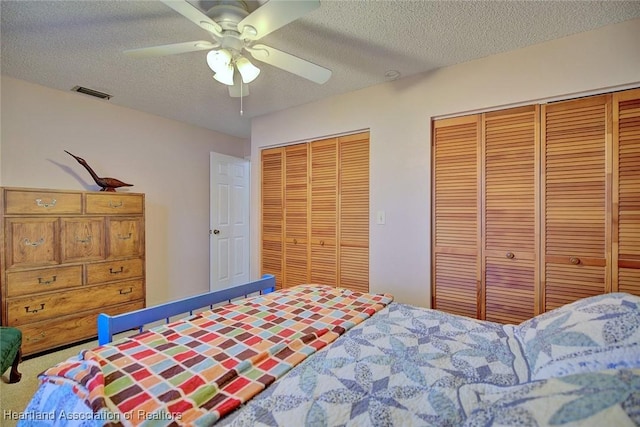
column 10, row 352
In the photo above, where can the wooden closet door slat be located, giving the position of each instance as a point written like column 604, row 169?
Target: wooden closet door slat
column 296, row 266
column 324, row 211
column 510, row 187
column 272, row 213
column 626, row 118
column 456, row 246
column 353, row 268
column 577, row 140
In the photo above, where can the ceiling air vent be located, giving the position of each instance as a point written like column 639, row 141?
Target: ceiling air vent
column 91, row 92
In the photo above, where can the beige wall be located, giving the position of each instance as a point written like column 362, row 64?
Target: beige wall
column 165, row 159
column 398, row 115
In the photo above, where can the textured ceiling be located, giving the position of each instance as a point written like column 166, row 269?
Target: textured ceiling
column 62, row 44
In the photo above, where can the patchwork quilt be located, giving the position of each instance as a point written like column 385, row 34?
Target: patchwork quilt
column 196, row 370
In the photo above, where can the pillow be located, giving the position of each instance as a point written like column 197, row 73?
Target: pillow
column 604, row 398
column 591, row 334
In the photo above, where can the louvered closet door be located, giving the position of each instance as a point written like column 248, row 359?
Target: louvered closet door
column 456, row 215
column 576, row 137
column 353, row 268
column 272, row 213
column 510, row 143
column 324, row 211
column 626, row 116
column 296, row 266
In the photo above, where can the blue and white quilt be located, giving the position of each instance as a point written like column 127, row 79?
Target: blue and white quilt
column 578, row 365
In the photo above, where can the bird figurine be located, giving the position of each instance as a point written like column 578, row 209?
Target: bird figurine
column 106, row 184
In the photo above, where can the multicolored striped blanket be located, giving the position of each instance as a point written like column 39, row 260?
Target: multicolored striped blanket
column 196, row 370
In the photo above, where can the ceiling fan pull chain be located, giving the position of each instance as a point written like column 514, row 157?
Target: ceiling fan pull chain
column 241, row 112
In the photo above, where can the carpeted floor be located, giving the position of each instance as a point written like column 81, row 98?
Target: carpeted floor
column 15, row 397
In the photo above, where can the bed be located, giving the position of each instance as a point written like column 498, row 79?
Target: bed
column 317, row 355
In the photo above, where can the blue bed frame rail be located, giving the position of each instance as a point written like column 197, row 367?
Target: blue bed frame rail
column 110, row 325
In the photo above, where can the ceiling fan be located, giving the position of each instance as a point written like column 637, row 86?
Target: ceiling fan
column 234, row 31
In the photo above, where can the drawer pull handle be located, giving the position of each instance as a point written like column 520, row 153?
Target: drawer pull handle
column 126, row 292
column 112, row 271
column 115, row 205
column 124, row 236
column 85, row 241
column 574, row 260
column 295, row 241
column 34, row 310
column 321, row 242
column 46, row 205
column 46, row 282
column 38, row 242
column 36, row 338
column 510, row 255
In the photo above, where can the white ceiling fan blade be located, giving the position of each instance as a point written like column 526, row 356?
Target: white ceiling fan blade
column 273, row 15
column 194, row 15
column 290, row 63
column 170, row 49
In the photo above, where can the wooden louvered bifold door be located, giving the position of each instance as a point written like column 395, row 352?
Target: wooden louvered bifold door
column 323, row 211
column 353, row 268
column 576, row 138
column 626, row 202
column 296, row 251
column 510, row 163
column 456, row 234
column 272, row 213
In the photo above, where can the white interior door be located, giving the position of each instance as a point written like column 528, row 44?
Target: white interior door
column 229, row 224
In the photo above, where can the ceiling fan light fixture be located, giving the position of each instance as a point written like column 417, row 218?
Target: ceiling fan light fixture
column 225, row 75
column 247, row 70
column 219, row 60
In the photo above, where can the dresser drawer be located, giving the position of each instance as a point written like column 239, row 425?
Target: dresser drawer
column 31, row 242
column 41, row 202
column 125, row 237
column 40, row 336
column 48, row 279
column 114, row 203
column 114, row 270
column 82, row 239
column 24, row 310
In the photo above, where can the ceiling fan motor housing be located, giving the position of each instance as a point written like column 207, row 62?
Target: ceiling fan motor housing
column 228, row 13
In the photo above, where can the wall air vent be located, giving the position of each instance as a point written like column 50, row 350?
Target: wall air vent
column 92, row 92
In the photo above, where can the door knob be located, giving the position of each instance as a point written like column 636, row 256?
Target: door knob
column 216, row 231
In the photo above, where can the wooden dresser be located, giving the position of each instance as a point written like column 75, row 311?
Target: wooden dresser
column 65, row 257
